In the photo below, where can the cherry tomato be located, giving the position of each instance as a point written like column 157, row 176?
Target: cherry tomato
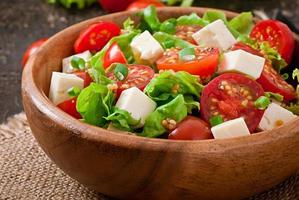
column 191, row 128
column 85, row 76
column 270, row 79
column 138, row 76
column 185, row 32
column 114, row 55
column 69, row 107
column 278, row 35
column 31, row 49
column 115, row 5
column 141, row 4
column 204, row 64
column 232, row 95
column 96, row 36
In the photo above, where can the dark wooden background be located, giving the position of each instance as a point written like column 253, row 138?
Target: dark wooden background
column 22, row 22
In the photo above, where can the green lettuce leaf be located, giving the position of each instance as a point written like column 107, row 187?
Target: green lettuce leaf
column 150, row 20
column 242, row 23
column 95, row 103
column 168, row 85
column 175, row 109
column 192, row 19
column 80, row 4
column 183, row 3
column 122, row 120
column 123, row 42
column 169, row 26
column 293, row 107
column 275, row 96
column 167, row 41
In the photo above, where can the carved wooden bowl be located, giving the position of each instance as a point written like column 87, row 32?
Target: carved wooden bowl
column 132, row 167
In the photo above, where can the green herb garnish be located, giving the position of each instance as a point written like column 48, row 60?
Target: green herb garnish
column 262, row 103
column 216, row 120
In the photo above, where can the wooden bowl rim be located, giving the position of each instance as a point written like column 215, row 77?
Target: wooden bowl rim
column 94, row 133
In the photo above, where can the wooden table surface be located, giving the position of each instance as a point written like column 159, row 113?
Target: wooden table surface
column 22, row 22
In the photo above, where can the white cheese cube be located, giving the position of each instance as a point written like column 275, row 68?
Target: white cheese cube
column 136, row 103
column 215, row 34
column 147, row 47
column 275, row 116
column 229, row 129
column 60, row 84
column 243, row 62
column 66, row 62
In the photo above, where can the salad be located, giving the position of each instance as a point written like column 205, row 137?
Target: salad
column 186, row 78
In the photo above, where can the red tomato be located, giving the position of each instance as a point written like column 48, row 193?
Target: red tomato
column 69, row 107
column 31, row 49
column 232, row 95
column 141, row 4
column 191, row 128
column 85, row 76
column 114, row 55
column 138, row 76
column 278, row 35
column 204, row 64
column 185, row 32
column 115, row 5
column 96, row 36
column 270, row 79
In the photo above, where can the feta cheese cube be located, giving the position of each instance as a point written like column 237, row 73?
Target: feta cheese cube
column 243, row 62
column 215, row 34
column 229, row 129
column 66, row 62
column 136, row 103
column 275, row 116
column 60, row 84
column 146, row 47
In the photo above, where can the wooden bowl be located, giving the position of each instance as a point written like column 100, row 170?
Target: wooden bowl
column 132, row 167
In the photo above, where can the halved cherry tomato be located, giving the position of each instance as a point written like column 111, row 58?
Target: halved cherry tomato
column 204, row 63
column 69, row 107
column 138, row 76
column 115, row 5
column 85, row 76
column 270, row 79
column 232, row 95
column 31, row 49
column 114, row 55
column 278, row 35
column 141, row 4
column 96, row 36
column 191, row 128
column 185, row 32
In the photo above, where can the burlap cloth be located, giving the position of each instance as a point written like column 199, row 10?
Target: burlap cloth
column 27, row 173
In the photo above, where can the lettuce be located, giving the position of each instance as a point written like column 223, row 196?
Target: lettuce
column 95, row 103
column 175, row 109
column 192, row 19
column 80, row 4
column 168, row 85
column 122, row 120
column 293, row 107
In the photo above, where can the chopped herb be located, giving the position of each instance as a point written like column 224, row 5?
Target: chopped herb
column 262, row 103
column 120, row 71
column 275, row 96
column 74, row 91
column 216, row 120
column 285, row 76
column 78, row 63
column 187, row 54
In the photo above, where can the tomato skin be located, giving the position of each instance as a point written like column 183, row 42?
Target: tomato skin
column 271, row 81
column 114, row 55
column 31, row 49
column 96, row 36
column 278, row 35
column 85, row 76
column 141, row 4
column 115, row 5
column 234, row 101
column 138, row 76
column 204, row 67
column 69, row 107
column 191, row 128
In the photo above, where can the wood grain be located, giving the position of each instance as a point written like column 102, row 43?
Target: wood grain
column 132, row 167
